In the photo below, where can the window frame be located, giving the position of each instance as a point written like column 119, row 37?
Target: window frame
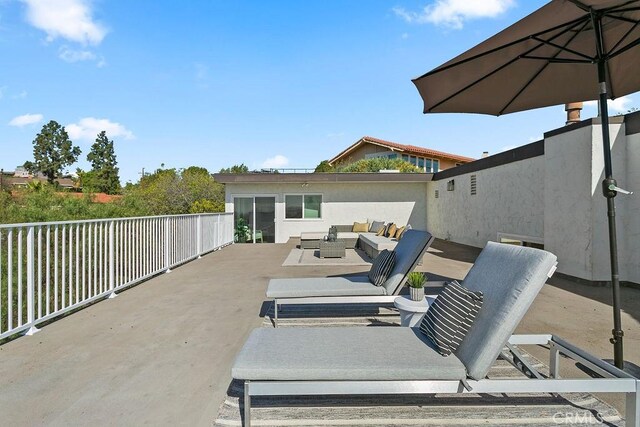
column 303, row 195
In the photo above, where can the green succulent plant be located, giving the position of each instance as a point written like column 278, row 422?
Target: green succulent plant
column 416, row 279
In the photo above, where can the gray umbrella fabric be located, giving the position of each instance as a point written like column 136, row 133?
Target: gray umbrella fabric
column 566, row 51
column 547, row 58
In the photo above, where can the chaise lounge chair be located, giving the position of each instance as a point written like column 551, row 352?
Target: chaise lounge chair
column 397, row 360
column 353, row 289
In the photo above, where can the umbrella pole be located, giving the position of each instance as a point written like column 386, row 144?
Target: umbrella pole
column 617, row 332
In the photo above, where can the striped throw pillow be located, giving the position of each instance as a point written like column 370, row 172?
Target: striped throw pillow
column 450, row 317
column 382, row 266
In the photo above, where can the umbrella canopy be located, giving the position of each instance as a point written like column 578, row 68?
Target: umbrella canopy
column 547, row 58
column 566, row 51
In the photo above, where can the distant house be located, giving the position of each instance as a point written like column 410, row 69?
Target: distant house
column 21, row 178
column 431, row 161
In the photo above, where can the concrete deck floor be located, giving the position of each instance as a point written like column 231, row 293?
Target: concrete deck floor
column 161, row 352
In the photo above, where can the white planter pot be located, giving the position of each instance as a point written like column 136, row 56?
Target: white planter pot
column 417, row 294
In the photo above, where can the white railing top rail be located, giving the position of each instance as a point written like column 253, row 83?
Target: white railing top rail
column 87, row 221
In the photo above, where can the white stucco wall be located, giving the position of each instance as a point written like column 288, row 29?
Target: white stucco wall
column 509, row 200
column 576, row 224
column 631, row 220
column 342, row 203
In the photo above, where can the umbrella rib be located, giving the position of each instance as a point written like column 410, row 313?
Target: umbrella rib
column 564, row 48
column 505, row 46
column 612, row 52
column 559, row 60
column 453, row 95
column 633, row 44
column 524, row 87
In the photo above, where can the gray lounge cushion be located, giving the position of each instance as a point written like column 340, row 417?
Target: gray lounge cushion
column 347, row 235
column 509, row 277
column 322, row 287
column 450, row 317
column 408, row 252
column 353, row 353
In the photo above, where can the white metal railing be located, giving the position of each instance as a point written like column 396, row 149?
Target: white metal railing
column 47, row 269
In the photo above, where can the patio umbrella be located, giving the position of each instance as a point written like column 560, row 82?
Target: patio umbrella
column 566, row 51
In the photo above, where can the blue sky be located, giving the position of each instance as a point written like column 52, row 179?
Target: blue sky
column 264, row 83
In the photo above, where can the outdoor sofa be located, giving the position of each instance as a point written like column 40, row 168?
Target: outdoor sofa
column 352, row 289
column 368, row 241
column 396, row 360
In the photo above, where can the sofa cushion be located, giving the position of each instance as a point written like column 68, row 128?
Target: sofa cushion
column 450, row 316
column 381, row 231
column 388, row 228
column 376, row 226
column 399, row 232
column 360, row 227
column 348, row 235
column 382, row 266
column 379, row 243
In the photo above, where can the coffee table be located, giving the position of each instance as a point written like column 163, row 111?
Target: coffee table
column 332, row 249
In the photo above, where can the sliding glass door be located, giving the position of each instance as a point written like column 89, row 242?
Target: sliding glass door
column 254, row 218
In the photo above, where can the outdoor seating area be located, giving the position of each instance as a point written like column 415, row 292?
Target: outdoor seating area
column 372, row 237
column 212, row 317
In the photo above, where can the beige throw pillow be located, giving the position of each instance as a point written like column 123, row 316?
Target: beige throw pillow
column 360, row 227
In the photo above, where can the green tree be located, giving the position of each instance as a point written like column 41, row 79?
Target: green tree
column 52, row 152
column 104, row 166
column 324, row 166
column 241, row 168
column 171, row 191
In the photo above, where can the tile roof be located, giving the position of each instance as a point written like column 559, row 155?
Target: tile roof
column 411, row 149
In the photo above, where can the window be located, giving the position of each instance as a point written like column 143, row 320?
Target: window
column 427, row 165
column 308, row 206
column 435, row 166
column 405, row 157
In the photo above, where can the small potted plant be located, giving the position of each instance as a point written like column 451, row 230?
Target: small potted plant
column 416, row 281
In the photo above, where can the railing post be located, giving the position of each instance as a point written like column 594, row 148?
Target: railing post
column 166, row 245
column 218, row 234
column 112, row 271
column 30, row 283
column 199, row 236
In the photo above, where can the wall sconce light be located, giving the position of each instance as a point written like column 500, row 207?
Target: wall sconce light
column 305, row 184
column 451, row 185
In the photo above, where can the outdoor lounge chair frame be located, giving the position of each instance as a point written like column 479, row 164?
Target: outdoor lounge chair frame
column 355, row 299
column 614, row 381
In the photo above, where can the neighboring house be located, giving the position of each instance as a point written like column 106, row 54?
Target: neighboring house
column 285, row 204
column 21, row 178
column 431, row 161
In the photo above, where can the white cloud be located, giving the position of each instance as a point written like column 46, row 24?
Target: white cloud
column 25, row 119
column 89, row 127
column 70, row 55
column 275, row 162
column 454, row 13
column 404, row 36
column 618, row 105
column 68, row 19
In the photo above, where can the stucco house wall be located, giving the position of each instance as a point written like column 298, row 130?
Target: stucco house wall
column 509, row 199
column 554, row 198
column 342, row 203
